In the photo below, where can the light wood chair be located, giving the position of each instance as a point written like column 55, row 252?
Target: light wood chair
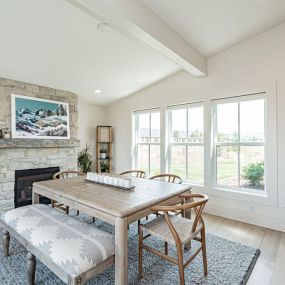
column 63, row 175
column 138, row 173
column 172, row 178
column 178, row 231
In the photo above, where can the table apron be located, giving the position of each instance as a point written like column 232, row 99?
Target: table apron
column 77, row 206
column 146, row 211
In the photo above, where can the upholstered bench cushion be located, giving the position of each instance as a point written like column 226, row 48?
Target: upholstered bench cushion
column 74, row 246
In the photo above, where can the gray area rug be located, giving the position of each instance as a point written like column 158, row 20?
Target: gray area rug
column 229, row 263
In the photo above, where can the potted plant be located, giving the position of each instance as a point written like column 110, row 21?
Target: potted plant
column 103, row 153
column 104, row 166
column 84, row 160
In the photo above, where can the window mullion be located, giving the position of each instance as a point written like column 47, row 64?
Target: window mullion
column 187, row 176
column 239, row 144
column 187, row 134
column 149, row 159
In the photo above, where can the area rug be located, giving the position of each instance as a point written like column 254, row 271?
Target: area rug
column 229, row 263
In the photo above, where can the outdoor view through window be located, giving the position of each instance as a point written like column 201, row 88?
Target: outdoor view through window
column 239, row 144
column 147, row 147
column 186, row 143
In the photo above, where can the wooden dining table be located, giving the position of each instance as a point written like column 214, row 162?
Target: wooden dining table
column 114, row 206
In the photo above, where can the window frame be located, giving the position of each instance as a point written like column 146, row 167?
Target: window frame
column 135, row 139
column 239, row 144
column 169, row 142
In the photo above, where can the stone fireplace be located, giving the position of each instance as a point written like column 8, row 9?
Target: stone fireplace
column 26, row 154
column 24, row 179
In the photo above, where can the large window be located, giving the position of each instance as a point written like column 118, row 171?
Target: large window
column 147, row 141
column 239, row 141
column 186, row 142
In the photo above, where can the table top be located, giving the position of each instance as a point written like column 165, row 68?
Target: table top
column 114, row 201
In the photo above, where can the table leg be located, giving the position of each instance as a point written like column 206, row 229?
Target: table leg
column 187, row 215
column 36, row 198
column 121, row 251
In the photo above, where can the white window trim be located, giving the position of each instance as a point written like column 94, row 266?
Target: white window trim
column 267, row 197
column 239, row 144
column 135, row 145
column 270, row 197
column 169, row 144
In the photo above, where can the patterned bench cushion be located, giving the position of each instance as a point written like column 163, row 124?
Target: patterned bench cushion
column 73, row 245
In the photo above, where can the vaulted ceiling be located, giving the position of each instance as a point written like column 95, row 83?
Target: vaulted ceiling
column 213, row 26
column 53, row 43
column 56, row 44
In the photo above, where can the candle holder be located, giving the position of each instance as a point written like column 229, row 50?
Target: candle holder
column 111, row 181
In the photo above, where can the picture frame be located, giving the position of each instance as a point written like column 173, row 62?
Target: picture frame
column 36, row 118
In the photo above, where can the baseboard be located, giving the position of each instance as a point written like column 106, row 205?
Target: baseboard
column 274, row 223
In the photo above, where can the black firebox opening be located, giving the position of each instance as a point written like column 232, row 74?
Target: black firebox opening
column 24, row 180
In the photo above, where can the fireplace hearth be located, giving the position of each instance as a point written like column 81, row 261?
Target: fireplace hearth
column 24, row 180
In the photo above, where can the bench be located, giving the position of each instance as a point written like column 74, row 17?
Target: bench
column 73, row 250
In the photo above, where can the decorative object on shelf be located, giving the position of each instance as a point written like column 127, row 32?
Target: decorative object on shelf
column 36, row 118
column 84, row 160
column 103, row 153
column 112, row 181
column 104, row 149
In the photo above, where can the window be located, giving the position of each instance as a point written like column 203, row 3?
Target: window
column 186, row 142
column 147, row 141
column 239, row 141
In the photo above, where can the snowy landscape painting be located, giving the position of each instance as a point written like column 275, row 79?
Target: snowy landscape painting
column 36, row 118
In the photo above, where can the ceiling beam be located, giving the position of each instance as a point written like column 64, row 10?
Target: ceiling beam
column 137, row 21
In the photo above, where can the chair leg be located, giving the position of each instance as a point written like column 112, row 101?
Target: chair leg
column 139, row 222
column 146, row 217
column 67, row 210
column 77, row 213
column 6, row 243
column 204, row 252
column 31, row 268
column 93, row 219
column 166, row 248
column 140, row 251
column 180, row 265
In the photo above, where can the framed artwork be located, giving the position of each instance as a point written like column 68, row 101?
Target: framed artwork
column 35, row 118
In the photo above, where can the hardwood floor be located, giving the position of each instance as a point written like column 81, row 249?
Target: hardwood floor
column 270, row 266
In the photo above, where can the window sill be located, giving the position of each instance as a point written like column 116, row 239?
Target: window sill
column 242, row 191
column 234, row 194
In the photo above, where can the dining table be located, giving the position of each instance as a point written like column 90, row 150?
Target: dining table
column 115, row 206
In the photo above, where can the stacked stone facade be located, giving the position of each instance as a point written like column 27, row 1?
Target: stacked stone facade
column 20, row 156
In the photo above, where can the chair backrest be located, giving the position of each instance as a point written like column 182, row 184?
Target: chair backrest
column 198, row 206
column 67, row 173
column 137, row 173
column 172, row 178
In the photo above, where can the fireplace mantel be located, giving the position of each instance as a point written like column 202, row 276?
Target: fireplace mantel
column 38, row 143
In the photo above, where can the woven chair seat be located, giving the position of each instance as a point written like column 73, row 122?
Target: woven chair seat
column 161, row 230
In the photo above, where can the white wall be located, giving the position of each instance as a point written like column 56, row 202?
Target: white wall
column 253, row 66
column 89, row 116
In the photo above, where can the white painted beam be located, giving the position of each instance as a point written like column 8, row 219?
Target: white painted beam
column 137, row 21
